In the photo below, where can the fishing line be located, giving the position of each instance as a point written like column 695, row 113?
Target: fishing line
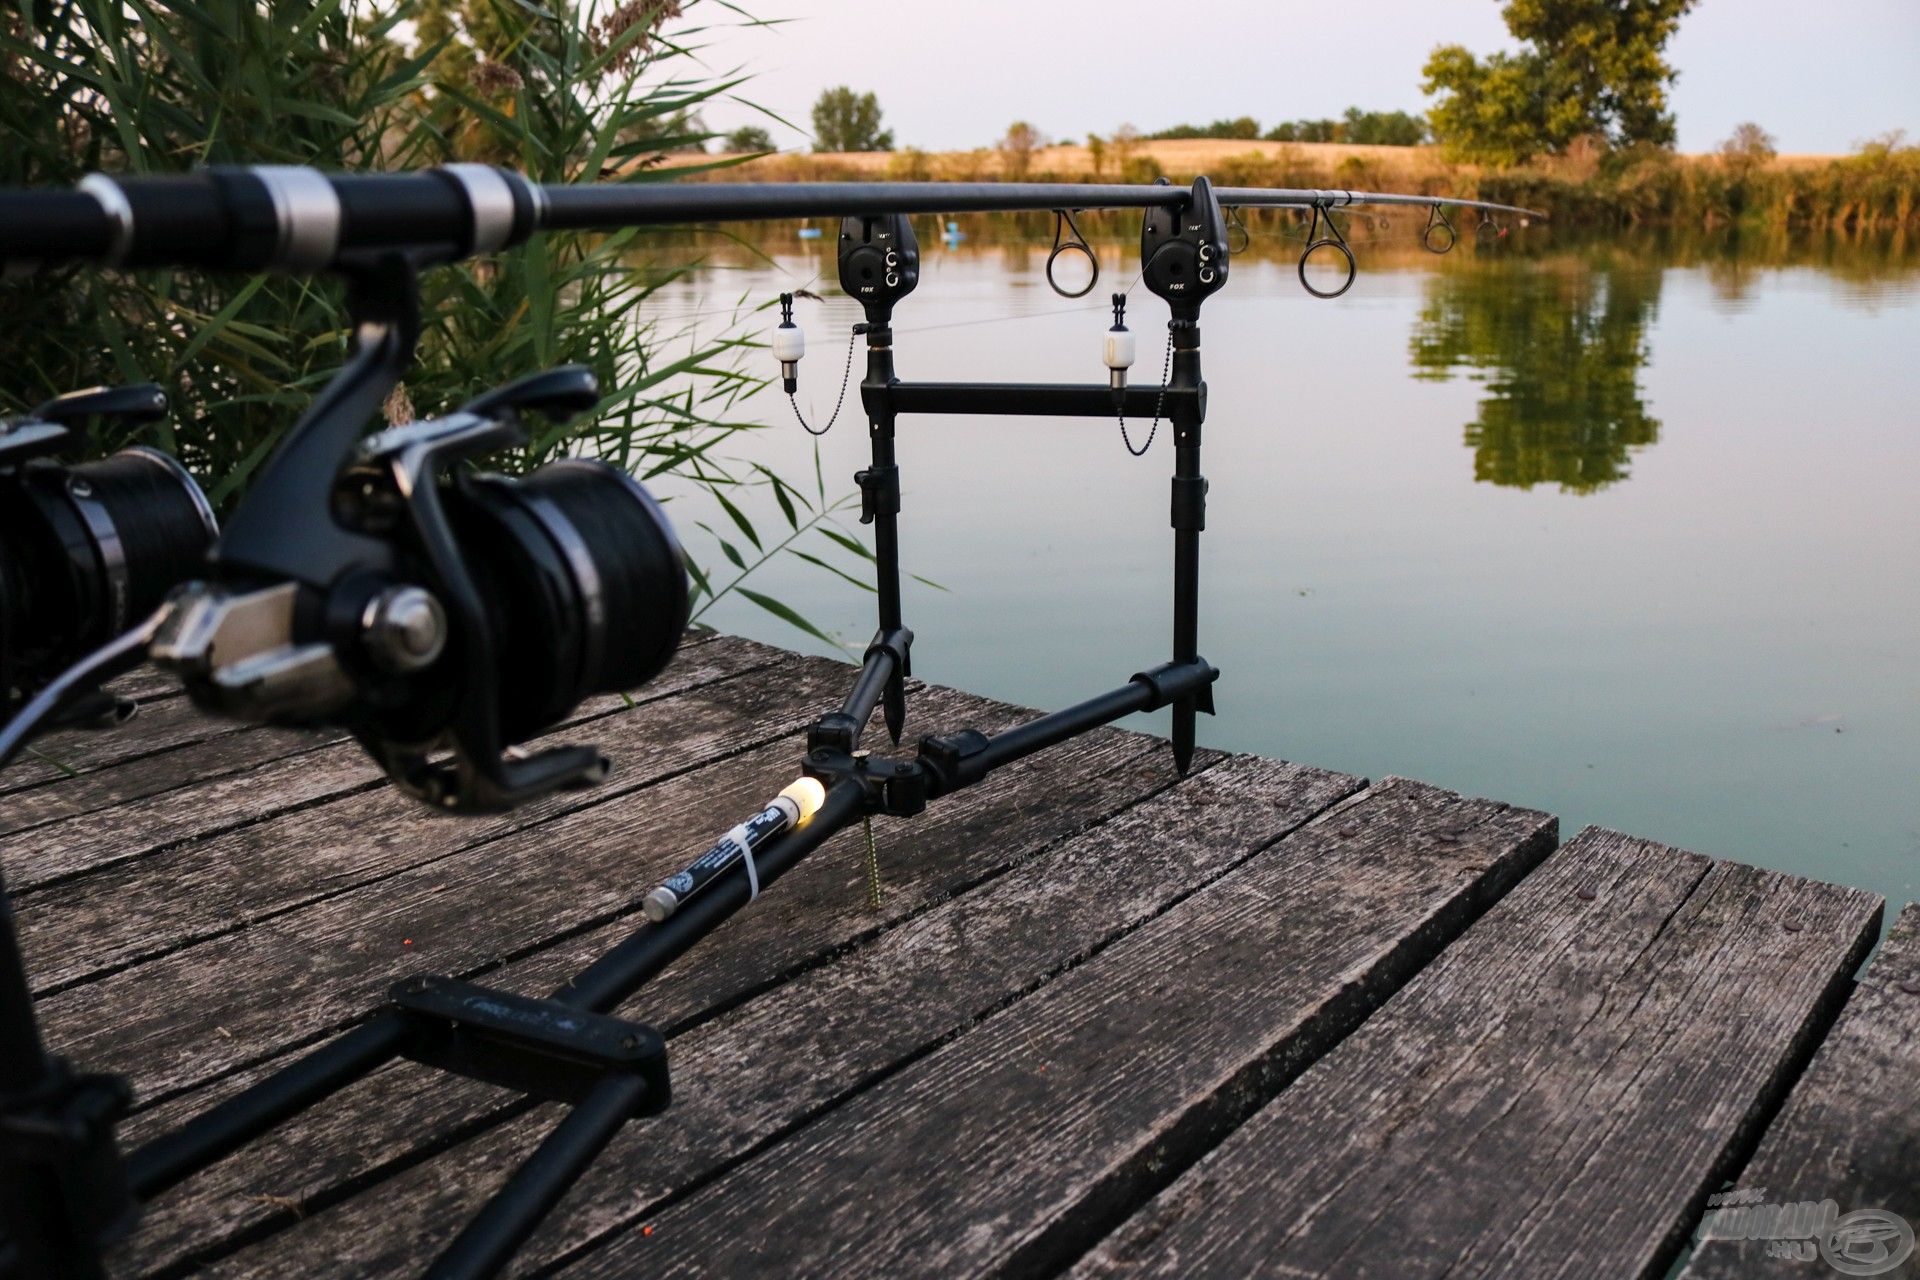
column 1025, row 315
column 1235, row 224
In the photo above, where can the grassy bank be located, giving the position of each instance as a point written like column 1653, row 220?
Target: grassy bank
column 1877, row 187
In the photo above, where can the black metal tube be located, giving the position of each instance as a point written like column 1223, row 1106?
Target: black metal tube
column 491, row 1237
column 884, row 508
column 223, row 1129
column 1068, row 722
column 875, row 674
column 1189, row 518
column 1034, row 399
column 608, row 981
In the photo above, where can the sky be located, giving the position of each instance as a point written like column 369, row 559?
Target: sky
column 1821, row 77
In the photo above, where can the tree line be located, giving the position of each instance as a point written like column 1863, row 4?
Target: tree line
column 1368, row 128
column 1586, row 74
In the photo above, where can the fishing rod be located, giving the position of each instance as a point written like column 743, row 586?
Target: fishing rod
column 267, row 217
column 445, row 616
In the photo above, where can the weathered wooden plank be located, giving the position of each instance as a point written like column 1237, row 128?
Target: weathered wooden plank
column 153, row 774
column 242, row 790
column 145, row 684
column 794, row 1051
column 1551, row 1098
column 818, row 912
column 212, row 760
column 271, row 986
column 160, row 726
column 1012, row 1147
column 1850, row 1131
column 80, row 929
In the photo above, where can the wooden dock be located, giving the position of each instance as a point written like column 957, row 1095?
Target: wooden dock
column 1268, row 1020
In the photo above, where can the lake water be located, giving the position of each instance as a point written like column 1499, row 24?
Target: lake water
column 1625, row 529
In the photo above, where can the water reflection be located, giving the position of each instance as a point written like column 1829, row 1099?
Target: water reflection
column 1559, row 341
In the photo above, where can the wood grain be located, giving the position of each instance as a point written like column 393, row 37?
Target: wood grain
column 769, row 1065
column 1013, row 1147
column 1850, row 1131
column 145, row 908
column 1551, row 1098
column 205, row 786
column 818, row 912
column 219, row 1006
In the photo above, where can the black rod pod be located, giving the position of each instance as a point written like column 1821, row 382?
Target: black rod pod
column 87, row 551
column 438, row 614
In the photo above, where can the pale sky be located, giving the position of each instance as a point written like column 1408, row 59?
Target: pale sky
column 1820, row 76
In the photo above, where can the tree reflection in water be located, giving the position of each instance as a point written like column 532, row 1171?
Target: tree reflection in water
column 1559, row 342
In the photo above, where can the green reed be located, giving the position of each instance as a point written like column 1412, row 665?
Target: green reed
column 564, row 91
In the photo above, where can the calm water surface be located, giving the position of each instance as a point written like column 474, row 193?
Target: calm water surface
column 1625, row 531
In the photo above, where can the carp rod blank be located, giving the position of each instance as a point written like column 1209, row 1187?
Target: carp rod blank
column 291, row 218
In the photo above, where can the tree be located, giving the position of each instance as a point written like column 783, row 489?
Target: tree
column 749, row 137
column 1018, row 146
column 1558, row 344
column 1244, row 128
column 1307, row 131
column 1383, row 128
column 1750, row 148
column 1097, row 153
column 847, row 121
column 1585, row 67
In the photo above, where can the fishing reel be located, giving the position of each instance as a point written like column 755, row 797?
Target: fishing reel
column 87, row 551
column 469, row 611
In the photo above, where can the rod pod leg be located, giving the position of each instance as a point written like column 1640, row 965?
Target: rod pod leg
column 880, row 507
column 1189, row 517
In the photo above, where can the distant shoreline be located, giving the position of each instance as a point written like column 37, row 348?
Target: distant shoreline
column 1877, row 188
column 1184, row 154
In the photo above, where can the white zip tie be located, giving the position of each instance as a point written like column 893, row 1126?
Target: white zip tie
column 738, row 839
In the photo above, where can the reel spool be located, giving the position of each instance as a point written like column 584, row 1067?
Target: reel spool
column 493, row 607
column 88, row 551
